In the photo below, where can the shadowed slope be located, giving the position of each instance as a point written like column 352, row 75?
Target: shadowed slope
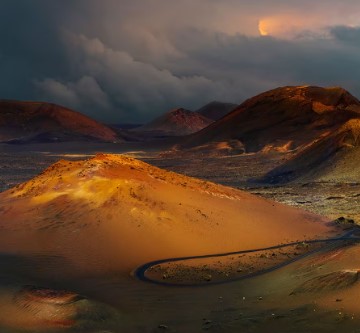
column 329, row 282
column 335, row 157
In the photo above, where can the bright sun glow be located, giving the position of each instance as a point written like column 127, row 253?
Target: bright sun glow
column 262, row 28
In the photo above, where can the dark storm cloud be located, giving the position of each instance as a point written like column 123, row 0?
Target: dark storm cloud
column 347, row 34
column 132, row 60
column 241, row 58
column 29, row 47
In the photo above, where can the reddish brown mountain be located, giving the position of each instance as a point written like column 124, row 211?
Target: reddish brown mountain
column 287, row 117
column 38, row 122
column 216, row 110
column 176, row 122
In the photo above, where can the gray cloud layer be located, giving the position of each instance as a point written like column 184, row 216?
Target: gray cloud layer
column 130, row 61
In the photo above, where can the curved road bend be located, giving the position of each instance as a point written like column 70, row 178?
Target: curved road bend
column 140, row 272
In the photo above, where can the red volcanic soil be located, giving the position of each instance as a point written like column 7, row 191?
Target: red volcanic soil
column 216, row 110
column 38, row 121
column 177, row 122
column 284, row 117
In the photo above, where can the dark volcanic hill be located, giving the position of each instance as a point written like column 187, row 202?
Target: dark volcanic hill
column 176, row 122
column 283, row 118
column 333, row 158
column 216, row 110
column 23, row 122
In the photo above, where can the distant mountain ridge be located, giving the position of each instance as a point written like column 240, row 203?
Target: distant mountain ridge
column 285, row 118
column 216, row 110
column 24, row 121
column 176, row 122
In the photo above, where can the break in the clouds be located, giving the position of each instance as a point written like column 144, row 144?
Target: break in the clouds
column 120, row 61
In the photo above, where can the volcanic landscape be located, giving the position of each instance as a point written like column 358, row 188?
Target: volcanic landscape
column 244, row 217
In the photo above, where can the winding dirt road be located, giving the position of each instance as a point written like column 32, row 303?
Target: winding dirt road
column 140, row 272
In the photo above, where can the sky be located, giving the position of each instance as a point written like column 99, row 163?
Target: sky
column 124, row 61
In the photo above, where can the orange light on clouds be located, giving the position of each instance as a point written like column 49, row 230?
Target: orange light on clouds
column 289, row 25
column 262, row 28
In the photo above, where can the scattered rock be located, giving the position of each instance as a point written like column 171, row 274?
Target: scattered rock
column 163, row 327
column 344, row 221
column 208, row 278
